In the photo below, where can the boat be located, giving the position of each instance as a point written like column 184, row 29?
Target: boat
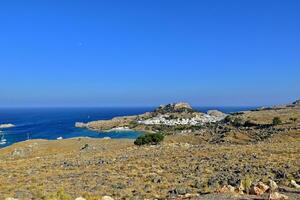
column 2, row 140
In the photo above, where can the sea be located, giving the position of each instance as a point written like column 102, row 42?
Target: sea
column 53, row 123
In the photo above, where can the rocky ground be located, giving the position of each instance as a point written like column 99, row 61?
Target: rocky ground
column 183, row 165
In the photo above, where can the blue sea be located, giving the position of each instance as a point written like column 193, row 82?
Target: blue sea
column 51, row 123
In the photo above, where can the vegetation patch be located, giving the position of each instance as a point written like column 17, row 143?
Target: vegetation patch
column 276, row 121
column 152, row 139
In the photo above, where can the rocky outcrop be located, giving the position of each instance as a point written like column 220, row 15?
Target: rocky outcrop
column 218, row 115
column 7, row 125
column 80, row 125
column 106, row 125
column 295, row 185
column 173, row 108
column 277, row 196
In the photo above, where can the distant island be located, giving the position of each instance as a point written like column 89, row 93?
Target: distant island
column 6, row 126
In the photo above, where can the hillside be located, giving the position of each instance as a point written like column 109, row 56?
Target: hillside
column 215, row 160
column 182, row 165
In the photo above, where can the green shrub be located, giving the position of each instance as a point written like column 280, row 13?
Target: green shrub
column 246, row 183
column 59, row 195
column 276, row 121
column 153, row 139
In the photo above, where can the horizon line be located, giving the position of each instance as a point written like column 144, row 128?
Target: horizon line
column 130, row 106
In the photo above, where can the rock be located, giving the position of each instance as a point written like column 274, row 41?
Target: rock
column 227, row 189
column 182, row 105
column 233, row 180
column 254, row 190
column 231, row 189
column 241, row 188
column 190, row 196
column 80, row 125
column 10, row 198
column 18, row 153
column 147, row 188
column 217, row 114
column 22, row 194
column 7, row 125
column 295, row 185
column 296, row 174
column 273, row 185
column 262, row 186
column 280, row 174
column 178, row 191
column 277, row 196
column 156, row 180
column 181, row 191
column 118, row 186
column 80, row 198
column 107, row 198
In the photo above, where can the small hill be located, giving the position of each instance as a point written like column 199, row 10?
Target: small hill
column 169, row 118
column 174, row 108
column 266, row 115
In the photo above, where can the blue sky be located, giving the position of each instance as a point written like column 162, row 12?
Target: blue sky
column 149, row 52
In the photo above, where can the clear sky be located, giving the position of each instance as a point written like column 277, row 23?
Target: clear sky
column 149, row 52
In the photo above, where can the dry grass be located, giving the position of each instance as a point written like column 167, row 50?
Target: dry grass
column 120, row 169
column 266, row 116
